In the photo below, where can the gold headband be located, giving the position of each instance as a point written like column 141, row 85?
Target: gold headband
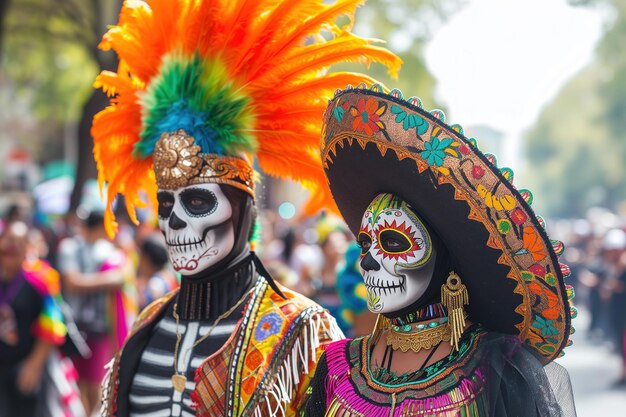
column 178, row 163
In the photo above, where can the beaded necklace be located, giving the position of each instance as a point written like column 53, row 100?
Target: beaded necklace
column 428, row 312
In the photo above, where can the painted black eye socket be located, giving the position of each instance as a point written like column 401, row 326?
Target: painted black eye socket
column 198, row 202
column 166, row 204
column 364, row 241
column 392, row 241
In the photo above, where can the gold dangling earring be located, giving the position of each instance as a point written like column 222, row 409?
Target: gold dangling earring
column 382, row 324
column 453, row 297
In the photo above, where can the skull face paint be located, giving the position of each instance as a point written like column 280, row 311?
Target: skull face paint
column 397, row 254
column 197, row 224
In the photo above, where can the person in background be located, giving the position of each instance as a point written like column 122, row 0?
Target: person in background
column 616, row 295
column 273, row 249
column 33, row 378
column 333, row 244
column 622, row 381
column 601, row 255
column 13, row 214
column 305, row 257
column 608, row 270
column 354, row 318
column 154, row 275
column 92, row 277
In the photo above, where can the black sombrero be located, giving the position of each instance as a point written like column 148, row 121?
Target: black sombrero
column 380, row 143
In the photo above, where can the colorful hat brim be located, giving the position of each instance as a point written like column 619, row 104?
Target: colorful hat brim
column 375, row 142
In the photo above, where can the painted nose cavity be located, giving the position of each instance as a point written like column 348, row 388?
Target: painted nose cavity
column 176, row 222
column 368, row 263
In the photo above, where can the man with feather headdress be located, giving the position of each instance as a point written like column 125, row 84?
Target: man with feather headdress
column 205, row 89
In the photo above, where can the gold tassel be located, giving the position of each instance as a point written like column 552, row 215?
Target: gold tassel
column 453, row 297
column 382, row 324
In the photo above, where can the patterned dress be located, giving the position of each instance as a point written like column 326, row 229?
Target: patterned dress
column 490, row 375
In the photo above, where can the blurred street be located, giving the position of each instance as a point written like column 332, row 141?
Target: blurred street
column 593, row 369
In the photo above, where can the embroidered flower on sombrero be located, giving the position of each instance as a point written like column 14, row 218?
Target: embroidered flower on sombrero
column 409, row 120
column 464, row 149
column 367, row 116
column 340, row 111
column 538, row 270
column 478, row 172
column 552, row 311
column 545, row 326
column 518, row 216
column 533, row 244
column 435, row 150
column 504, row 226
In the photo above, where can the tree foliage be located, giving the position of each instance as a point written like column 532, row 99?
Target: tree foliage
column 51, row 59
column 4, row 5
column 51, row 55
column 576, row 149
column 405, row 26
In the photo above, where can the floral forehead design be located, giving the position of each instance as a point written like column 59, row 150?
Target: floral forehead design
column 382, row 215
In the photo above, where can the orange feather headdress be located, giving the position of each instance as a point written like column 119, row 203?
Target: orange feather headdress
column 206, row 86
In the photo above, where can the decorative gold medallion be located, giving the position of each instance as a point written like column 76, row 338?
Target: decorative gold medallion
column 179, row 162
column 176, row 160
column 179, row 381
column 424, row 339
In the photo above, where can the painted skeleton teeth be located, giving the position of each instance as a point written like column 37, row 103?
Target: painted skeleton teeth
column 182, row 245
column 381, row 287
column 182, row 241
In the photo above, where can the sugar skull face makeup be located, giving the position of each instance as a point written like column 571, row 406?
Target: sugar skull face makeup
column 397, row 255
column 198, row 226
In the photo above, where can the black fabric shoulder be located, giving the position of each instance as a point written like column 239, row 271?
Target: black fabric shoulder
column 315, row 405
column 517, row 382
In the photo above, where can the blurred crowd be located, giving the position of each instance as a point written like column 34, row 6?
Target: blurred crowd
column 317, row 256
column 68, row 296
column 92, row 288
column 596, row 254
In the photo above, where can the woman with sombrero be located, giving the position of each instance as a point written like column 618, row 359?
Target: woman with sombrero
column 469, row 289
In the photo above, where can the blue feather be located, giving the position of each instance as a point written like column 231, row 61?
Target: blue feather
column 180, row 116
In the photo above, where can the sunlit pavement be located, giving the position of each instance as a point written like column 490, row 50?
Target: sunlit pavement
column 593, row 369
